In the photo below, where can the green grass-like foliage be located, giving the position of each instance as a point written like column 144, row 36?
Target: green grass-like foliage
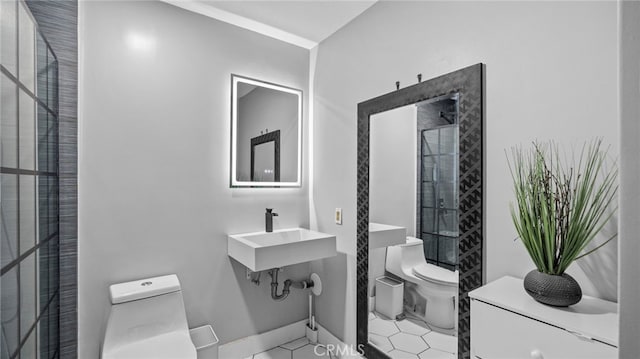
column 561, row 205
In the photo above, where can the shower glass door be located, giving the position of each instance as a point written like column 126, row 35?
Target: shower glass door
column 438, row 209
column 29, row 221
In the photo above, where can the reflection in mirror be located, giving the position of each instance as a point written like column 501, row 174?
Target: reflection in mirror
column 266, row 140
column 413, row 183
column 419, row 220
column 265, row 157
column 437, row 223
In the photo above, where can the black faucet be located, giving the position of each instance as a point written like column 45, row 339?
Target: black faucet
column 268, row 219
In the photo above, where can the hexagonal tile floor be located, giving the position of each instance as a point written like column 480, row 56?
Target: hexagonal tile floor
column 410, row 338
column 296, row 349
column 408, row 343
column 385, row 328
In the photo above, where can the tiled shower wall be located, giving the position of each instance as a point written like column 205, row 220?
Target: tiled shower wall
column 29, row 233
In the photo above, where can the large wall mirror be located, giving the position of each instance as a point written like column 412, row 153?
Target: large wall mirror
column 420, row 217
column 266, row 134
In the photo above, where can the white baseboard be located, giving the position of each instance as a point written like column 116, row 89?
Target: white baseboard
column 245, row 347
column 339, row 348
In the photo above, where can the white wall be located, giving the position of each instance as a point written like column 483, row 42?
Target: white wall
column 392, row 183
column 629, row 175
column 551, row 73
column 154, row 143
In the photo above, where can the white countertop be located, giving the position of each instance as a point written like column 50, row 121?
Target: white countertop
column 592, row 317
column 385, row 235
column 379, row 227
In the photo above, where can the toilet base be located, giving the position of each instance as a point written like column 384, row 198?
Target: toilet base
column 438, row 311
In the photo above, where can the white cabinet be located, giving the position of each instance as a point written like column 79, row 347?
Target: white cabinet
column 507, row 323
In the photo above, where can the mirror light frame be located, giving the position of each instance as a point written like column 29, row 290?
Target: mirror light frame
column 235, row 80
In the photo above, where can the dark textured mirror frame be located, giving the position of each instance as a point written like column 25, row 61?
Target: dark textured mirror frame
column 468, row 82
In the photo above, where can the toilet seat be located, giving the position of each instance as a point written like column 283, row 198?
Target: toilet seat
column 431, row 273
column 165, row 346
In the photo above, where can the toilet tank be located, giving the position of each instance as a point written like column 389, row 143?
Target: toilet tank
column 403, row 257
column 144, row 309
column 412, row 251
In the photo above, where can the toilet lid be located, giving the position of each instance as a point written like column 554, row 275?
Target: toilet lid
column 165, row 346
column 432, row 273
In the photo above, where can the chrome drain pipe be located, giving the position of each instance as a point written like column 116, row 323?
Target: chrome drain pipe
column 303, row 284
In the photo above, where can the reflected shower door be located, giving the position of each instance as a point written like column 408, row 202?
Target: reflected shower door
column 439, row 201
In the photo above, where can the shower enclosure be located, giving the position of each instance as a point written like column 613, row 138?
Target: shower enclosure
column 438, row 186
column 29, row 235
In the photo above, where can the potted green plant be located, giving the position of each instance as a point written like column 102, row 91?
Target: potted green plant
column 560, row 206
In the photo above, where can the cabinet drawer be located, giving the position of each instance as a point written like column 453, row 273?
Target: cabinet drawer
column 498, row 333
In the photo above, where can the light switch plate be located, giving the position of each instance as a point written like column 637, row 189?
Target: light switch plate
column 338, row 216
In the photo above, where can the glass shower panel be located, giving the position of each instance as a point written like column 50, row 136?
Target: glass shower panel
column 9, row 211
column 430, row 245
column 29, row 278
column 429, row 220
column 52, row 330
column 429, row 193
column 448, row 222
column 9, row 35
column 41, row 67
column 439, row 195
column 449, row 140
column 52, row 204
column 449, row 194
column 42, row 123
column 430, row 143
column 28, row 349
column 448, row 251
column 52, row 143
column 9, row 312
column 9, row 125
column 52, row 81
column 26, row 48
column 429, row 166
column 27, row 123
column 27, row 294
column 448, row 168
column 27, row 203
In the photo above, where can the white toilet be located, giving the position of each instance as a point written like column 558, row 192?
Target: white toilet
column 147, row 320
column 431, row 292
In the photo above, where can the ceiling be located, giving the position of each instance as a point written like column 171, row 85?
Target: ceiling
column 303, row 23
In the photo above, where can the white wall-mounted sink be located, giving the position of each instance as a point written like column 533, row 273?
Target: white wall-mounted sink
column 385, row 235
column 260, row 251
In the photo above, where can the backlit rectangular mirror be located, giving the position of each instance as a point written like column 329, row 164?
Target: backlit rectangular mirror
column 266, row 134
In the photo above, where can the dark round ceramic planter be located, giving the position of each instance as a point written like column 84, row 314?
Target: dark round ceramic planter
column 556, row 290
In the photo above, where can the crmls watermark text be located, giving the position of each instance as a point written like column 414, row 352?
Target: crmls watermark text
column 339, row 350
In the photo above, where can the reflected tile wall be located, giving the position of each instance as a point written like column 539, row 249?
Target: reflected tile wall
column 29, row 227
